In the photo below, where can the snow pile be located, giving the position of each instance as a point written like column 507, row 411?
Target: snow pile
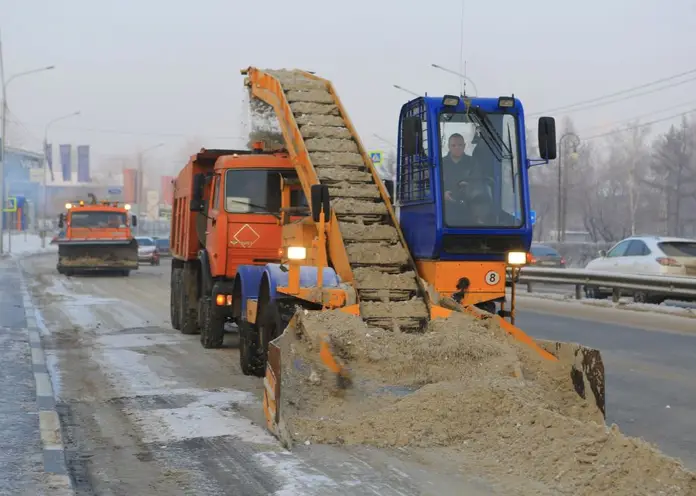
column 23, row 244
column 468, row 387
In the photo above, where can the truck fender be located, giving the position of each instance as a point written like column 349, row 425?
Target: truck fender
column 206, row 277
column 308, row 278
column 247, row 284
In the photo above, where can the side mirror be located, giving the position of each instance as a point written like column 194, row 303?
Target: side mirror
column 134, row 221
column 412, row 135
column 61, row 221
column 547, row 138
column 320, row 201
column 602, row 253
column 197, row 195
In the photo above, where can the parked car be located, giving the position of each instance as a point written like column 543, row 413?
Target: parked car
column 147, row 250
column 163, row 247
column 545, row 256
column 649, row 255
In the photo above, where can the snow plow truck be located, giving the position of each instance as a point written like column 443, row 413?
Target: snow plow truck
column 258, row 236
column 96, row 236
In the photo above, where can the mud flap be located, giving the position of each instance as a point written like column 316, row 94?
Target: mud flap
column 586, row 369
column 98, row 256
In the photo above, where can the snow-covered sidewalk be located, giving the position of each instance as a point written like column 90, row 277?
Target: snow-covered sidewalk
column 23, row 244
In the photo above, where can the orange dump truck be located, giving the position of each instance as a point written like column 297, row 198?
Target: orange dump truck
column 225, row 228
column 96, row 236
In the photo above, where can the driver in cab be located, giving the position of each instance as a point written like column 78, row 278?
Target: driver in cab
column 459, row 168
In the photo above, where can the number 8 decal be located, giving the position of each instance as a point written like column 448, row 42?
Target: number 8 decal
column 492, row 278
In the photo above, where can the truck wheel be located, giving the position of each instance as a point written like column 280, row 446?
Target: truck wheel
column 174, row 314
column 189, row 316
column 213, row 328
column 250, row 359
column 273, row 320
column 126, row 273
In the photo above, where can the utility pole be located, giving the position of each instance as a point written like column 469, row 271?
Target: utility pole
column 3, row 138
column 45, row 172
column 560, row 214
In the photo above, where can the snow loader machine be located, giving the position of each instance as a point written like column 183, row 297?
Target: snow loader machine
column 96, row 236
column 448, row 243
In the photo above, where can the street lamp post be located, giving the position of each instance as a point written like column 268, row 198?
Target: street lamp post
column 141, row 182
column 406, row 90
column 560, row 215
column 45, row 172
column 3, row 140
column 463, row 76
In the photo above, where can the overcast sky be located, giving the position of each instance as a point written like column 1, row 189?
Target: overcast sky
column 151, row 71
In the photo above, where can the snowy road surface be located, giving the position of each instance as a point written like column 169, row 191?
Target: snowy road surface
column 146, row 410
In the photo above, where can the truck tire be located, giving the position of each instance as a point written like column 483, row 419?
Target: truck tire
column 174, row 310
column 212, row 326
column 273, row 320
column 250, row 359
column 189, row 316
column 125, row 273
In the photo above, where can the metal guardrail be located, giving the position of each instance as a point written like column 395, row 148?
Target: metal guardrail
column 674, row 286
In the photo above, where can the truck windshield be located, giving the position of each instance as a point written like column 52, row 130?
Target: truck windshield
column 480, row 166
column 257, row 191
column 98, row 219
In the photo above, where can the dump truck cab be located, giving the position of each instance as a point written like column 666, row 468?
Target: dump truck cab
column 96, row 236
column 226, row 219
column 462, row 192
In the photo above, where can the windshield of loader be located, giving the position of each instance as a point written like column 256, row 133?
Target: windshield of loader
column 96, row 219
column 480, row 166
column 255, row 191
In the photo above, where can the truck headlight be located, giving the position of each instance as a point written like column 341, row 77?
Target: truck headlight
column 516, row 258
column 297, row 252
column 68, row 206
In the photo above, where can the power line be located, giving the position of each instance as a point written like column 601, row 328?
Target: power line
column 620, row 92
column 640, row 116
column 656, row 121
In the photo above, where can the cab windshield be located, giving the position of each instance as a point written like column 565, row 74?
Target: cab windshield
column 254, row 191
column 480, row 170
column 98, row 219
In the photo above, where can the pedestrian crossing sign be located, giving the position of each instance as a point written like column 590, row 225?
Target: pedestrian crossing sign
column 377, row 157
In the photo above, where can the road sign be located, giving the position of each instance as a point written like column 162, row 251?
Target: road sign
column 532, row 214
column 377, row 157
column 114, row 191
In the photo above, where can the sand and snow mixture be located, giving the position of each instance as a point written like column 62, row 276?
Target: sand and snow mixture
column 466, row 388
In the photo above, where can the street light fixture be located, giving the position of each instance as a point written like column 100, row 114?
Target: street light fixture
column 45, row 170
column 141, row 181
column 562, row 201
column 463, row 76
column 3, row 133
column 407, row 90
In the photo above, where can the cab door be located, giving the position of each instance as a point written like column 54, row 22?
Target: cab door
column 216, row 232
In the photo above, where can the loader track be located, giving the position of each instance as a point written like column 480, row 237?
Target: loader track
column 385, row 279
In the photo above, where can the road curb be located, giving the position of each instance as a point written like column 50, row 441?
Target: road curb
column 49, row 421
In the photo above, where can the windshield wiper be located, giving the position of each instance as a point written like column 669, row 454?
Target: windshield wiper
column 491, row 136
column 254, row 205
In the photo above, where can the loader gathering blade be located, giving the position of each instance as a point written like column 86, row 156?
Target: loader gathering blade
column 101, row 255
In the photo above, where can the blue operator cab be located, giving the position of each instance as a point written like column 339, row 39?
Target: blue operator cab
column 462, row 191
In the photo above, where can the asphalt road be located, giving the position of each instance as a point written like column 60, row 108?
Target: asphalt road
column 147, row 411
column 649, row 361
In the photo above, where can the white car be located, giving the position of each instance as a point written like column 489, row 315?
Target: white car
column 650, row 255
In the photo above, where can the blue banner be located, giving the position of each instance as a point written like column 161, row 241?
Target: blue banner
column 65, row 162
column 83, row 164
column 49, row 159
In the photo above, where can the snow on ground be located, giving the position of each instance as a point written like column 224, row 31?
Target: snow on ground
column 622, row 304
column 25, row 243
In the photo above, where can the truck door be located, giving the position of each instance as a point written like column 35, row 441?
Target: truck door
column 216, row 232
